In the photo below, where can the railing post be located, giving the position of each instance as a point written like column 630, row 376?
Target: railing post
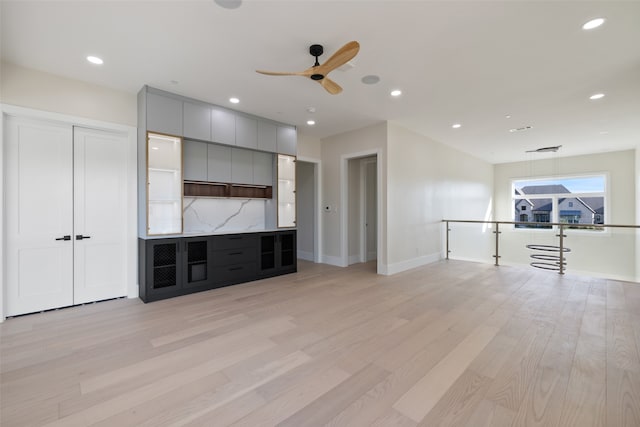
column 561, row 271
column 448, row 230
column 497, row 233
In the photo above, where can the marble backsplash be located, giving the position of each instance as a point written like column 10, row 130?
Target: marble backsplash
column 210, row 215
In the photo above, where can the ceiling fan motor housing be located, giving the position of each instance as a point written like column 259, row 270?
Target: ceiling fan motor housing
column 316, row 50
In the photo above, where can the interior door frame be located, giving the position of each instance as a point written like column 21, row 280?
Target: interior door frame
column 364, row 182
column 132, row 178
column 344, row 202
column 317, row 188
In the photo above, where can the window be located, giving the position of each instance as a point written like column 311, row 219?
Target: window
column 568, row 200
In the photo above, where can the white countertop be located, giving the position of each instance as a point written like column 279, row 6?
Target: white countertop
column 212, row 233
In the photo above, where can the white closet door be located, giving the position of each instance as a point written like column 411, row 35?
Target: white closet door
column 39, row 212
column 100, row 216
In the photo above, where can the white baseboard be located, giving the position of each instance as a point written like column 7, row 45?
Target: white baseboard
column 333, row 260
column 354, row 259
column 410, row 263
column 305, row 255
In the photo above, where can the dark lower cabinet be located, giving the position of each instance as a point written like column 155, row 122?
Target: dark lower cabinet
column 278, row 254
column 182, row 265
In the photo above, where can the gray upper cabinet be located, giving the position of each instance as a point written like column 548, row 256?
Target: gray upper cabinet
column 267, row 136
column 223, row 126
column 218, row 163
column 194, row 167
column 246, row 132
column 197, row 121
column 262, row 168
column 241, row 166
column 286, row 140
column 164, row 114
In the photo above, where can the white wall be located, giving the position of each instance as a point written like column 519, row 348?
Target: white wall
column 335, row 153
column 611, row 254
column 25, row 87
column 308, row 146
column 428, row 182
column 637, row 181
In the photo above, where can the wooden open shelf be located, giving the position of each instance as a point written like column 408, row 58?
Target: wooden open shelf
column 226, row 189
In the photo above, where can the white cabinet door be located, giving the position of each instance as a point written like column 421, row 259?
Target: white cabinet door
column 241, row 166
column 246, row 132
column 287, row 140
column 39, row 211
column 194, row 163
column 262, row 168
column 100, row 215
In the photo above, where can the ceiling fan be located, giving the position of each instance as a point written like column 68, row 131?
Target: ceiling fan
column 318, row 72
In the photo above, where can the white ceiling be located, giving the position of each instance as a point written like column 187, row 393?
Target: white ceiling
column 456, row 62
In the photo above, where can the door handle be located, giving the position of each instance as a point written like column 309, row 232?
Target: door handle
column 80, row 237
column 67, row 237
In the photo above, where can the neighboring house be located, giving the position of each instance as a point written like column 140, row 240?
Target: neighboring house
column 571, row 210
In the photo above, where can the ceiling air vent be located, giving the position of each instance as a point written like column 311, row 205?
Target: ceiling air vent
column 545, row 149
column 520, row 129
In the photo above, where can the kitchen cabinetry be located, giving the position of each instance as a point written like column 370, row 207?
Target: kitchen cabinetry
column 164, row 114
column 223, row 126
column 246, row 132
column 218, row 163
column 267, row 136
column 183, row 265
column 241, row 166
column 286, row 191
column 234, row 258
column 262, row 168
column 286, row 140
column 197, row 121
column 164, row 184
column 277, row 253
column 195, row 161
column 160, row 269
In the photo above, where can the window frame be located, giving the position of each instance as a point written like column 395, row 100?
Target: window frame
column 555, row 197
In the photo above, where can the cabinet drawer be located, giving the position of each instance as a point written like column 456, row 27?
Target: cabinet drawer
column 234, row 241
column 234, row 256
column 235, row 273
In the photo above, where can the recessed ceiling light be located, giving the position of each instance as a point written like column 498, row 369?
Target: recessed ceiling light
column 456, row 126
column 311, row 110
column 229, row 4
column 597, row 96
column 234, row 100
column 311, row 122
column 508, row 116
column 174, row 82
column 396, row 92
column 155, row 148
column 95, row 60
column 594, row 23
column 370, row 79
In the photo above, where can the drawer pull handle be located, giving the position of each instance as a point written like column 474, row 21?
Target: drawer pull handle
column 234, row 238
column 235, row 253
column 235, row 269
column 64, row 238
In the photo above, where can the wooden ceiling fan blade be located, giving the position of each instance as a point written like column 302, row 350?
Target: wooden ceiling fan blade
column 278, row 73
column 332, row 87
column 341, row 57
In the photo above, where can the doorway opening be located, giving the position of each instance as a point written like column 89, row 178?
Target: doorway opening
column 362, row 207
column 307, row 221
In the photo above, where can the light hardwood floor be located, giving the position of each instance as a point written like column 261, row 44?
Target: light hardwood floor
column 452, row 343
